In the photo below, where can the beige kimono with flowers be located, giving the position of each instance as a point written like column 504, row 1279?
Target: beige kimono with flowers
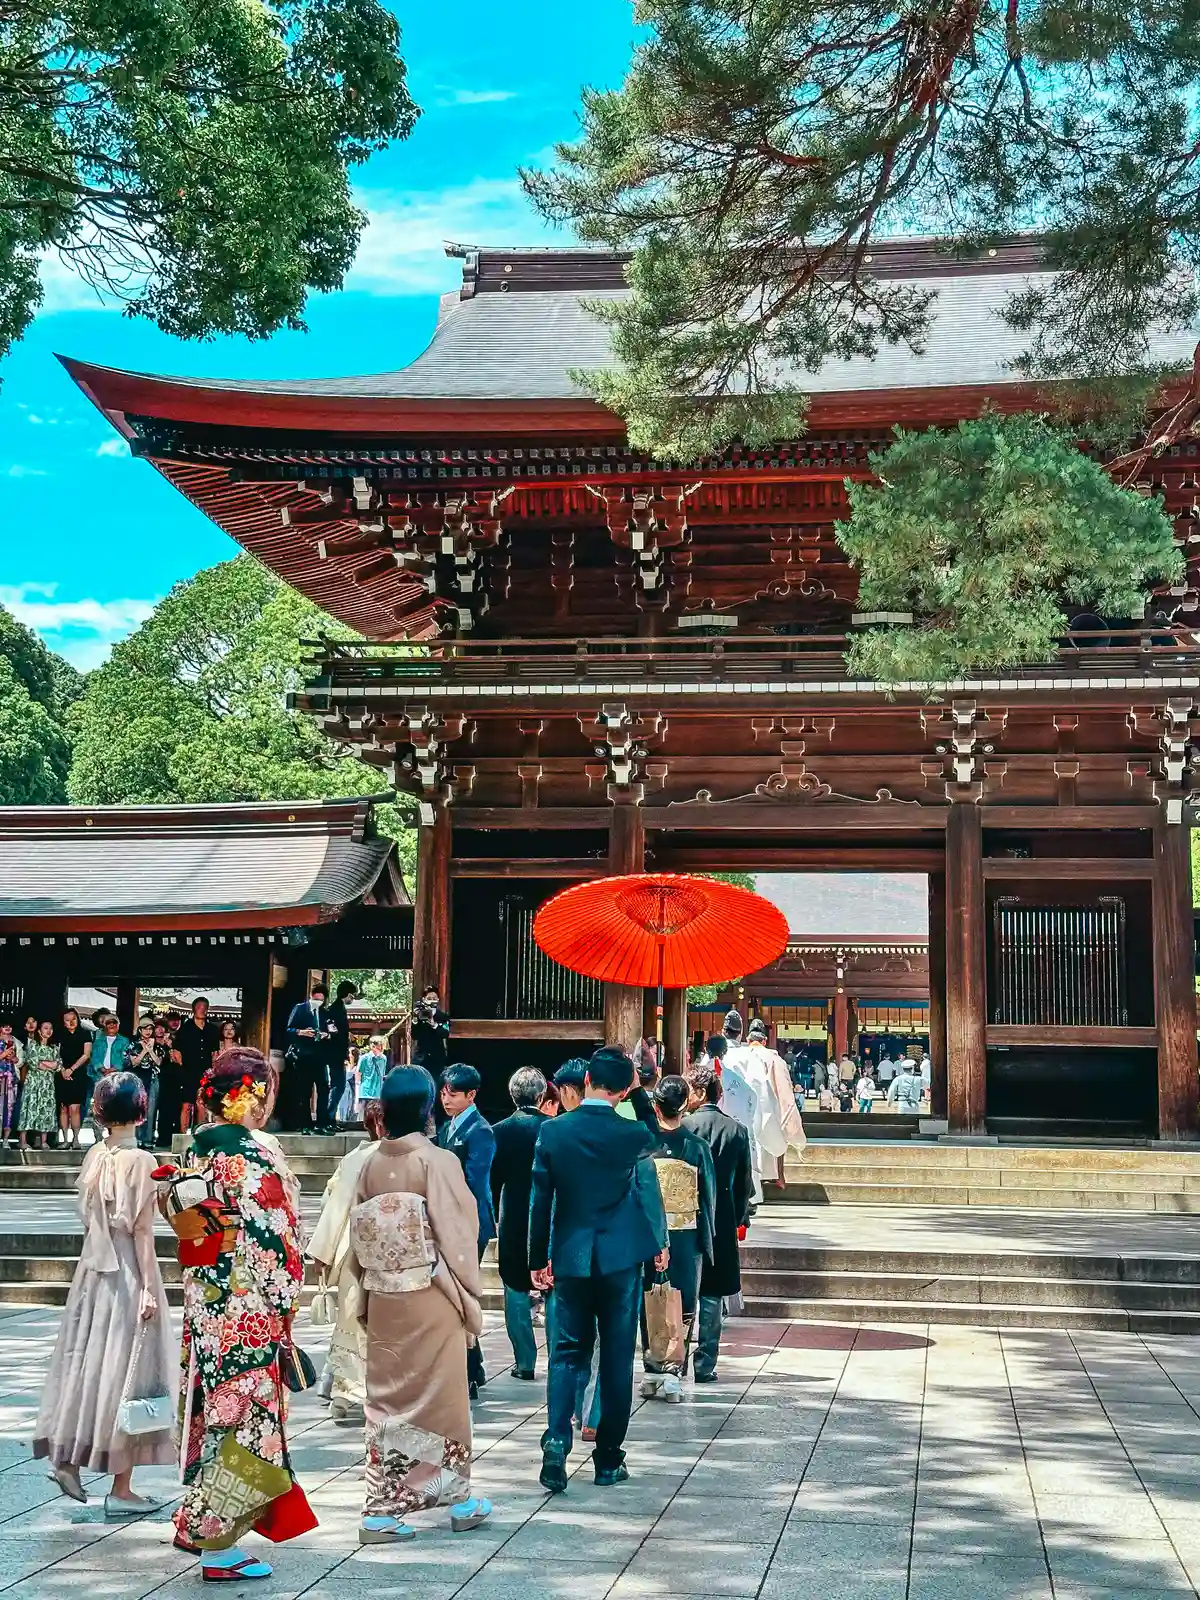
column 420, row 1290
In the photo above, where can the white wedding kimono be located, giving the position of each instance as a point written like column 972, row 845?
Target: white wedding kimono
column 331, row 1245
column 767, row 1138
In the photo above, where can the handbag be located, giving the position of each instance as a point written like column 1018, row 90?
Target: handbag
column 153, row 1413
column 322, row 1308
column 296, row 1368
column 664, row 1324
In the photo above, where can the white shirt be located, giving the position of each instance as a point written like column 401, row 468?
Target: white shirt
column 106, row 1050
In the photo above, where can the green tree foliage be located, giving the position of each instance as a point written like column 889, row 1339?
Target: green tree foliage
column 193, row 706
column 705, row 994
column 383, row 989
column 985, row 532
column 191, row 159
column 35, row 688
column 756, row 152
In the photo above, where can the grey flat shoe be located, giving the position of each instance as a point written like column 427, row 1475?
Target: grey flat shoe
column 67, row 1479
column 121, row 1510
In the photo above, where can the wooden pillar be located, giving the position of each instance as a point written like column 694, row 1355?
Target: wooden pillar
column 675, row 1030
column 966, row 972
column 851, row 1024
column 258, row 971
column 1174, row 982
column 431, row 913
column 937, row 992
column 126, row 1006
column 626, row 853
column 841, row 1025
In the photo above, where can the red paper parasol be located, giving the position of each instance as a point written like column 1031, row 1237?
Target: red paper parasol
column 660, row 929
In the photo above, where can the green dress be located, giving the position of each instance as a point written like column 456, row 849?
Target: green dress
column 39, row 1112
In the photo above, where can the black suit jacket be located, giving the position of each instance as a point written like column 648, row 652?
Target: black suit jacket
column 474, row 1143
column 595, row 1205
column 512, row 1181
column 730, row 1146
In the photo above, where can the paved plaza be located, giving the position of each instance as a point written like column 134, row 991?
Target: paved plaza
column 829, row 1463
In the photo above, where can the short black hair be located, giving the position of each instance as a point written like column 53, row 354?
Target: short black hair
column 346, row 988
column 119, row 1100
column 527, row 1088
column 610, row 1069
column 198, row 999
column 406, row 1099
column 671, row 1093
column 461, row 1077
column 571, row 1075
column 717, row 1046
column 431, row 988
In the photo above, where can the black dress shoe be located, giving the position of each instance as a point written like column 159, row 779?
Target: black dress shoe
column 519, row 1372
column 704, row 1377
column 553, row 1475
column 607, row 1476
column 472, row 1390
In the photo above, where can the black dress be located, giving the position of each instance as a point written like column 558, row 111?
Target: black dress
column 729, row 1145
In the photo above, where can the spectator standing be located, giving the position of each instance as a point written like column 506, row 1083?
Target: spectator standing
column 595, row 1217
column 372, row 1069
column 512, row 1182
column 39, row 1109
column 170, row 1093
column 467, row 1135
column 227, row 1035
column 820, row 1076
column 906, row 1089
column 309, row 1032
column 339, row 1053
column 729, row 1145
column 147, row 1059
column 196, row 1043
column 926, row 1070
column 10, row 1080
column 71, row 1086
column 430, row 1029
column 887, row 1071
column 864, row 1091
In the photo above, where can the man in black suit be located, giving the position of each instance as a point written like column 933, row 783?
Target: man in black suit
column 595, row 1217
column 729, row 1143
column 512, row 1180
column 469, row 1136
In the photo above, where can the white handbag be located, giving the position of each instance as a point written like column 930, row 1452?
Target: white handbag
column 322, row 1310
column 153, row 1413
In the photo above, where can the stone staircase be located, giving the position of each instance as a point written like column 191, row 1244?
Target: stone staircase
column 1043, row 1177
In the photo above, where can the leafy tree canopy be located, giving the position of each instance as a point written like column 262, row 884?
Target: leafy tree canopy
column 985, row 533
column 35, row 688
column 191, row 159
column 756, row 152
column 192, row 707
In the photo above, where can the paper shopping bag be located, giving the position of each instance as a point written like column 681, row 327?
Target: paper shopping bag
column 664, row 1325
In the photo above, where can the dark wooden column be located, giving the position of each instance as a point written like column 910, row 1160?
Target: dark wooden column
column 258, row 970
column 1174, row 982
column 937, row 992
column 840, row 1007
column 626, row 853
column 966, row 972
column 431, row 913
column 126, row 1006
column 675, row 1029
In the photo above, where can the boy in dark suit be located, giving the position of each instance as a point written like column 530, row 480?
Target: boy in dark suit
column 469, row 1136
column 595, row 1217
column 512, row 1179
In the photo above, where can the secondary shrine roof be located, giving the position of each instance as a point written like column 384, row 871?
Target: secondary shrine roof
column 141, row 867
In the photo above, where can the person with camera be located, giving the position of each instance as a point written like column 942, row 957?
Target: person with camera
column 310, row 1034
column 430, row 1027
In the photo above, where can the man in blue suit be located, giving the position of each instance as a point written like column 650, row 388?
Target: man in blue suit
column 595, row 1216
column 469, row 1136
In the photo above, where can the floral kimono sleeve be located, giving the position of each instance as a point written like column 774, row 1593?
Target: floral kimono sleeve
column 268, row 1235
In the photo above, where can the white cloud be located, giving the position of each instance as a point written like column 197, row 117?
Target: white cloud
column 20, row 470
column 403, row 249
column 82, row 630
column 113, row 447
column 64, row 290
column 474, row 97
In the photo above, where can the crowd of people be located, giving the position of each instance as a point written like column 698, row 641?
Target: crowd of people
column 852, row 1084
column 618, row 1197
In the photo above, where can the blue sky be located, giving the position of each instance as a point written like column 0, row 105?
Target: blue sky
column 89, row 538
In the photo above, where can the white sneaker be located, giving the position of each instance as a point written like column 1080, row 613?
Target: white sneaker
column 672, row 1389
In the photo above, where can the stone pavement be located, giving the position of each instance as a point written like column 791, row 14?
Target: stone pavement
column 829, row 1463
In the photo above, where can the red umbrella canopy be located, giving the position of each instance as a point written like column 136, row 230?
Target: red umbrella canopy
column 616, row 928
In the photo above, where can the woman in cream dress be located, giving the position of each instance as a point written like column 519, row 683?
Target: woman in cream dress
column 345, row 1372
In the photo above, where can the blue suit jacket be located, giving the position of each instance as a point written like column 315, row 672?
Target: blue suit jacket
column 474, row 1143
column 595, row 1205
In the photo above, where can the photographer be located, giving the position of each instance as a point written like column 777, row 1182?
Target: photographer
column 430, row 1027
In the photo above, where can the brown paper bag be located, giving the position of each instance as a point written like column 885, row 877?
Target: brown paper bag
column 664, row 1325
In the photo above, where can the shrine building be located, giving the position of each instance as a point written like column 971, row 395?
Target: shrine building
column 581, row 661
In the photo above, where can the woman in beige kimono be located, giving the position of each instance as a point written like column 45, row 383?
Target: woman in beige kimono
column 413, row 1237
column 343, row 1381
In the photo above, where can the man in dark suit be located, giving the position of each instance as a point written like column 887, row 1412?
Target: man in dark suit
column 310, row 1030
column 729, row 1143
column 595, row 1217
column 512, row 1179
column 469, row 1136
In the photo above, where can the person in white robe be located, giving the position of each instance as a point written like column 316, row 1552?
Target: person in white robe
column 739, row 1101
column 344, row 1378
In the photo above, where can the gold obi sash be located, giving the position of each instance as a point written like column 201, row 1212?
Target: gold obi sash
column 679, row 1186
column 391, row 1237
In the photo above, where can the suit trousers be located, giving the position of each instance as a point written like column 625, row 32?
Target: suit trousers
column 337, row 1088
column 708, row 1341
column 604, row 1306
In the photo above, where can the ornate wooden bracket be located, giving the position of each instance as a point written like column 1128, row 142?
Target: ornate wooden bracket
column 426, row 763
column 442, row 537
column 1176, row 728
column 965, row 735
column 621, row 738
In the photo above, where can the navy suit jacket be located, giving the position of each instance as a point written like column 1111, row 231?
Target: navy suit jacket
column 595, row 1205
column 474, row 1143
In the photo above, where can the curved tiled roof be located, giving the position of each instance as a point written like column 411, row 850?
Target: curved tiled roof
column 266, row 865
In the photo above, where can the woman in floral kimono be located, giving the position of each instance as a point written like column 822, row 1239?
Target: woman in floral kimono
column 413, row 1241
column 241, row 1253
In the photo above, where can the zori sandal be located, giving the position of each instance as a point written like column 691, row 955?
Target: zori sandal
column 384, row 1530
column 469, row 1514
column 229, row 1566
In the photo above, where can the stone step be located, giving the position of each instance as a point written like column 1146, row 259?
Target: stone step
column 1165, row 1269
column 951, row 1157
column 917, row 1193
column 1023, row 1178
column 971, row 1289
column 973, row 1315
column 53, row 1292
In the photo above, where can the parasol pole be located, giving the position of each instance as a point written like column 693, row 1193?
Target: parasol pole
column 662, row 948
